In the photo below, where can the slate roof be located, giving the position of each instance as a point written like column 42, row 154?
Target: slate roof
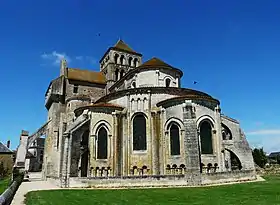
column 4, row 148
column 274, row 154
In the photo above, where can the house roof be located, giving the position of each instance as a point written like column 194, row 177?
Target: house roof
column 121, row 45
column 4, row 148
column 86, row 75
column 274, row 154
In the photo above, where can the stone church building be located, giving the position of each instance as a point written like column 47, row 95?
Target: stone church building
column 133, row 121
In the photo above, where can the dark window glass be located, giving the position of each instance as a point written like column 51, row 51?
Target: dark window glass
column 75, row 90
column 206, row 138
column 102, row 144
column 174, row 140
column 139, row 133
column 167, row 82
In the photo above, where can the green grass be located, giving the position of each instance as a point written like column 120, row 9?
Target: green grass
column 4, row 184
column 257, row 193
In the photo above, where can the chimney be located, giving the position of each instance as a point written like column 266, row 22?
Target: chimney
column 8, row 143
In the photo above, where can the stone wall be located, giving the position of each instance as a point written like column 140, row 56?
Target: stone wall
column 164, row 180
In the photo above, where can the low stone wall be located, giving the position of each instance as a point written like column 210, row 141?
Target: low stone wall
column 228, row 177
column 8, row 195
column 163, row 180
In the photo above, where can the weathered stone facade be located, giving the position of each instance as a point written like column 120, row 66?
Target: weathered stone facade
column 134, row 120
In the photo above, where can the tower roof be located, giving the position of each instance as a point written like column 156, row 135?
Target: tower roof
column 123, row 46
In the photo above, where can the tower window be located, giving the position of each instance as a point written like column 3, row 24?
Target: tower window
column 130, row 61
column 135, row 62
column 167, row 82
column 122, row 73
column 133, row 85
column 75, row 89
column 116, row 58
column 122, row 60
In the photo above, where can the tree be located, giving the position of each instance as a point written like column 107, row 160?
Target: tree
column 3, row 171
column 259, row 157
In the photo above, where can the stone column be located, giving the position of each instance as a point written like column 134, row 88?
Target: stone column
column 64, row 168
column 219, row 138
column 124, row 145
column 155, row 142
column 191, row 143
column 163, row 148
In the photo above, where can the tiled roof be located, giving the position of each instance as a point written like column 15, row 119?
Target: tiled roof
column 87, row 76
column 155, row 62
column 4, row 148
column 123, row 46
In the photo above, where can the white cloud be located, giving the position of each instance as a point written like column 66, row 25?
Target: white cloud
column 269, row 143
column 264, row 132
column 55, row 57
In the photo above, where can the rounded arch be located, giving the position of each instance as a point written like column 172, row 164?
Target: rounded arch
column 226, row 132
column 130, row 59
column 116, row 57
column 203, row 118
column 138, row 113
column 122, row 60
column 135, row 62
column 139, row 131
column 206, row 137
column 99, row 124
column 175, row 120
column 167, row 82
column 235, row 160
column 102, row 143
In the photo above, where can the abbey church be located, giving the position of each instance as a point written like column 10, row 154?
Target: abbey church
column 132, row 121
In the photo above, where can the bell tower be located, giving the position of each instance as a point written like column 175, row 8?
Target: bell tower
column 117, row 61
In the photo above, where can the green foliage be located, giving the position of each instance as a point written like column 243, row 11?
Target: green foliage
column 4, row 172
column 257, row 193
column 259, row 157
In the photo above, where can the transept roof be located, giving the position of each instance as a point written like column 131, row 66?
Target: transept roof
column 87, row 76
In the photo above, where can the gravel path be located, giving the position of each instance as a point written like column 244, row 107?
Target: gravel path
column 34, row 184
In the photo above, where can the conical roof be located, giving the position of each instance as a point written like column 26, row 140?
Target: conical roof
column 123, row 46
column 155, row 62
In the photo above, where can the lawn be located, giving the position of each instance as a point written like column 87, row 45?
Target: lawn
column 257, row 193
column 4, row 184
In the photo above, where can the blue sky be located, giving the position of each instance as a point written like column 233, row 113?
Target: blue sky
column 231, row 48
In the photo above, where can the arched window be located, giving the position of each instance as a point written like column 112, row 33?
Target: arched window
column 206, row 138
column 117, row 74
column 174, row 140
column 167, row 82
column 226, row 133
column 135, row 62
column 116, row 58
column 122, row 60
column 130, row 61
column 122, row 73
column 139, row 133
column 133, row 85
column 102, row 144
